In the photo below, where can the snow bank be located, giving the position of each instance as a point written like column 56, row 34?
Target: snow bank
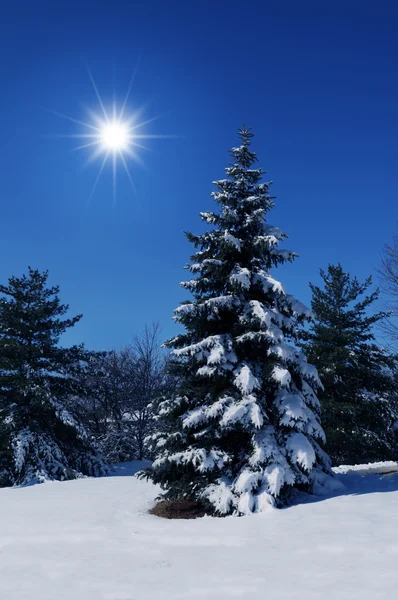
column 368, row 469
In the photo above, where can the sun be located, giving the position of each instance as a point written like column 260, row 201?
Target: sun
column 114, row 134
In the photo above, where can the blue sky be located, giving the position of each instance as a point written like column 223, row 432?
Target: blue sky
column 317, row 82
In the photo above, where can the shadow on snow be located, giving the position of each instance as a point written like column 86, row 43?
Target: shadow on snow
column 354, row 485
column 128, row 469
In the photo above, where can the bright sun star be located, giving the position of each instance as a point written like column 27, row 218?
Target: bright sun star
column 113, row 136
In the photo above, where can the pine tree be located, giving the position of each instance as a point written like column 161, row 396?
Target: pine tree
column 39, row 439
column 357, row 408
column 243, row 428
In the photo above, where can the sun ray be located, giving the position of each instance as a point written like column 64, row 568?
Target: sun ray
column 92, row 136
column 96, row 118
column 74, row 120
column 134, row 143
column 97, row 153
column 114, row 165
column 134, row 156
column 89, row 145
column 155, row 137
column 129, row 88
column 128, row 174
column 143, row 123
column 97, row 178
column 97, row 94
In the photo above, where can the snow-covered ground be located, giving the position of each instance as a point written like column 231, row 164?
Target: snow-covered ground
column 93, row 539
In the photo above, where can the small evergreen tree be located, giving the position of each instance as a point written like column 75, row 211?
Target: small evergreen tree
column 357, row 408
column 39, row 439
column 243, row 427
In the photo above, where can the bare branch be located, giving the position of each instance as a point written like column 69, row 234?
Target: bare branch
column 388, row 274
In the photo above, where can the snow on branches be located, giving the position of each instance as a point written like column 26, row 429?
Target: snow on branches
column 249, row 422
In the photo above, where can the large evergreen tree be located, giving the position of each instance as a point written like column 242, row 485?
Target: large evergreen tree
column 358, row 411
column 243, row 428
column 39, row 439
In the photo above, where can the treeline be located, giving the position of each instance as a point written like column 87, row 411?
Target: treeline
column 236, row 385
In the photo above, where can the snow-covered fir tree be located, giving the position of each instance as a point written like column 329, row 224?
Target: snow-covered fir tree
column 39, row 439
column 359, row 407
column 243, row 429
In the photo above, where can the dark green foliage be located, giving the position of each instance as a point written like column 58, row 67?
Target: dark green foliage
column 38, row 438
column 357, row 409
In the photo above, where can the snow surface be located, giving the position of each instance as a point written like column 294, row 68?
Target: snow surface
column 92, row 539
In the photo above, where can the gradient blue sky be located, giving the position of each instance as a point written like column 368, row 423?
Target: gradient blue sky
column 317, row 81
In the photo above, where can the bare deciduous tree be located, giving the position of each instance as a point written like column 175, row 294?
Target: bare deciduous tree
column 119, row 389
column 149, row 377
column 389, row 277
